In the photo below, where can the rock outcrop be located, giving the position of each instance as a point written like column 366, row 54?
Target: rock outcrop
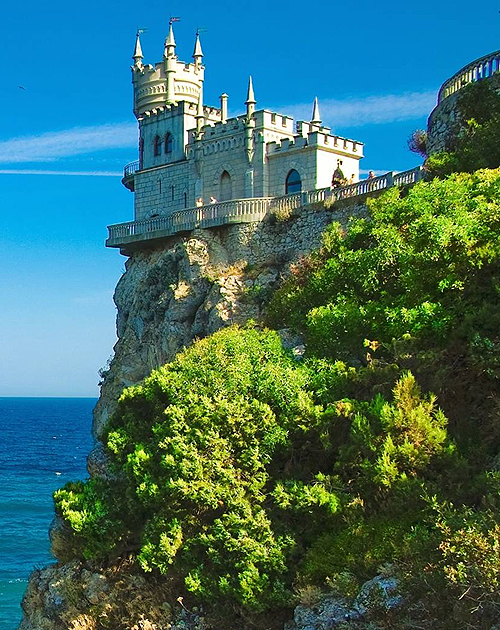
column 191, row 286
column 198, row 283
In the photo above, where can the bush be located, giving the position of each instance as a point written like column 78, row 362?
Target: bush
column 417, row 142
column 193, row 443
column 233, row 473
column 414, row 288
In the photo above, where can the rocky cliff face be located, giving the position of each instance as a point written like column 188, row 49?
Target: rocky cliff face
column 189, row 287
column 198, row 283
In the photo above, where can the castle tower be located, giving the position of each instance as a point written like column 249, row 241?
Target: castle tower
column 168, row 82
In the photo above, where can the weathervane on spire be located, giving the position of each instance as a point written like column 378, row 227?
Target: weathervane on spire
column 174, row 19
column 140, row 31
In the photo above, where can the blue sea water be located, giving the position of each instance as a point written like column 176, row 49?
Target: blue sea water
column 43, row 444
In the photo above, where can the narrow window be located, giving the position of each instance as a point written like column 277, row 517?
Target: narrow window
column 172, row 192
column 185, row 200
column 157, row 146
column 168, row 143
column 293, row 183
column 159, row 186
column 226, row 187
column 141, row 152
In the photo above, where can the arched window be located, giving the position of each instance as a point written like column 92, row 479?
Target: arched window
column 226, row 187
column 157, row 146
column 293, row 183
column 168, row 143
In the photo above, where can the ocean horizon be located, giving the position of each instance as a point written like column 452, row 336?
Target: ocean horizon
column 44, row 442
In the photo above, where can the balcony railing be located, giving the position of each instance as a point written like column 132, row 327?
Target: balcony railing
column 477, row 70
column 247, row 210
column 131, row 168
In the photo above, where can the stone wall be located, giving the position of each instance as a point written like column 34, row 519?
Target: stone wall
column 444, row 116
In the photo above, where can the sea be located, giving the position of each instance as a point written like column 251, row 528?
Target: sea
column 43, row 444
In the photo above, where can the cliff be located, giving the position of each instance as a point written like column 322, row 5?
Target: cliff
column 198, row 283
column 168, row 296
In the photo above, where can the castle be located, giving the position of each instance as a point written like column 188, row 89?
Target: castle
column 191, row 154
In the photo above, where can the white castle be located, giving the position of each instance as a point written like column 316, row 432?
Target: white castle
column 191, row 154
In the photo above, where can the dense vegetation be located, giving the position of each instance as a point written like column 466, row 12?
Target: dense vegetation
column 245, row 475
column 472, row 140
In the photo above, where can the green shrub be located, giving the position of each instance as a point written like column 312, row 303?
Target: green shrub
column 245, row 477
column 232, row 472
column 420, row 281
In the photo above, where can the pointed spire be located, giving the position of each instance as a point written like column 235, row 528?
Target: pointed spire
column 197, row 48
column 137, row 56
column 316, row 119
column 170, row 42
column 250, row 102
column 250, row 95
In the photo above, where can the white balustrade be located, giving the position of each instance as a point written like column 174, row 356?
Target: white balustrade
column 253, row 209
column 475, row 71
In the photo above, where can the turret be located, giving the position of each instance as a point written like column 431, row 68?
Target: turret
column 170, row 43
column 137, row 56
column 250, row 122
column 198, row 53
column 170, row 65
column 250, row 102
column 316, row 118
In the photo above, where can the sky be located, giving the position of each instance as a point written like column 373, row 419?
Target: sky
column 68, row 129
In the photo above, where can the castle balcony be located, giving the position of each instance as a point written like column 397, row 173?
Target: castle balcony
column 128, row 174
column 138, row 234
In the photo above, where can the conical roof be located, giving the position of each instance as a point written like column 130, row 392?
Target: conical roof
column 316, row 118
column 197, row 47
column 138, row 50
column 250, row 93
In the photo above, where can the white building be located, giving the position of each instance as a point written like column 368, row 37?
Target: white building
column 190, row 152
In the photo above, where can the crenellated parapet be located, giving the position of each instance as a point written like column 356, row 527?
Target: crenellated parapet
column 311, row 137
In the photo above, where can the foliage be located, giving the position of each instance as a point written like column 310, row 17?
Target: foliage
column 232, row 472
column 417, row 142
column 193, row 443
column 415, row 288
column 472, row 141
column 249, row 480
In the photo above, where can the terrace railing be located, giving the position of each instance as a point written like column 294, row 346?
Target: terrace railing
column 247, row 210
column 477, row 70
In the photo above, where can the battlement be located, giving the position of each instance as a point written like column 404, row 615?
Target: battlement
column 276, row 122
column 319, row 138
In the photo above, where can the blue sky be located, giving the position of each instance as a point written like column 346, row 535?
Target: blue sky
column 65, row 137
